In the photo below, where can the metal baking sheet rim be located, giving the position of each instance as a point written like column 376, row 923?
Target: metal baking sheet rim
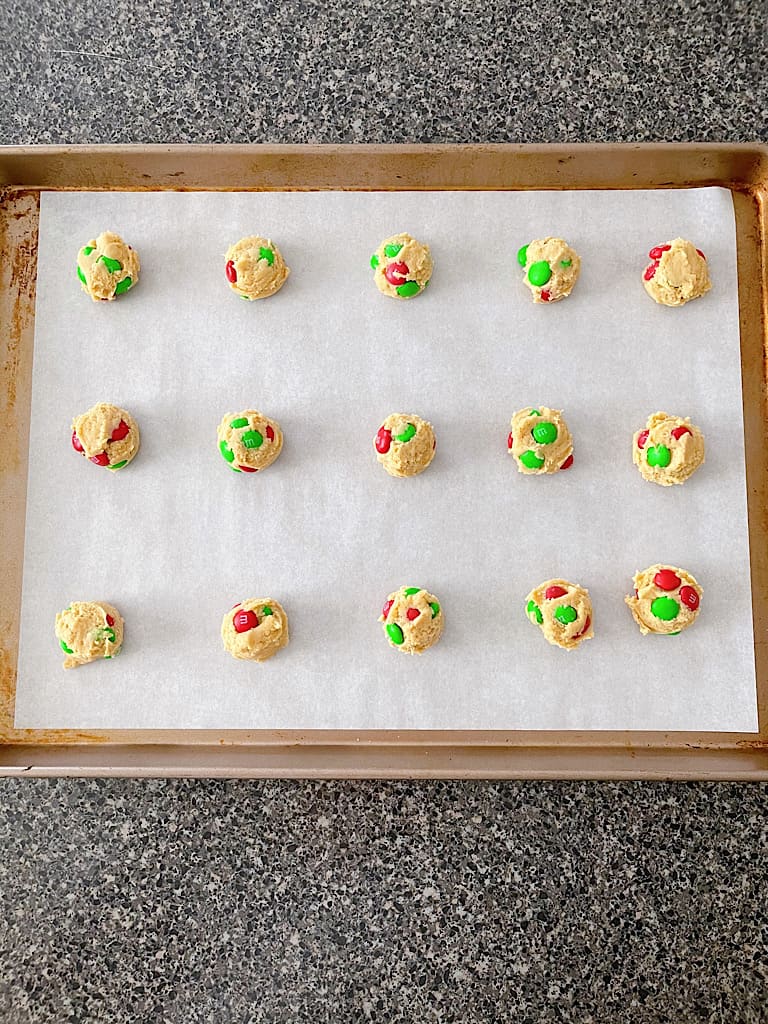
column 24, row 171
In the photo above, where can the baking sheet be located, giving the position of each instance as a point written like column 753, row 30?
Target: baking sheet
column 177, row 538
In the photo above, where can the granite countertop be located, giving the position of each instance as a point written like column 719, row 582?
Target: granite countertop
column 193, row 901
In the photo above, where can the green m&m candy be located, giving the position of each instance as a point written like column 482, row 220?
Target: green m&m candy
column 531, row 460
column 539, row 273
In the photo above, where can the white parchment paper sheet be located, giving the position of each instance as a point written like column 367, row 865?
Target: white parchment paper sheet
column 177, row 538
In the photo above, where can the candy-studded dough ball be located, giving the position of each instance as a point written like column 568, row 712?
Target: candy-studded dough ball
column 107, row 435
column 668, row 450
column 249, row 441
column 255, row 268
column 402, row 266
column 677, row 273
column 665, row 600
column 88, row 631
column 540, row 440
column 256, row 629
column 551, row 268
column 405, row 444
column 413, row 619
column 107, row 267
column 563, row 611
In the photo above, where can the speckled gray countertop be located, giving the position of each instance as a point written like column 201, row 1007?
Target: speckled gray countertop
column 186, row 902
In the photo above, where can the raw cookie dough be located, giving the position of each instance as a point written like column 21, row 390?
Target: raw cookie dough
column 669, row 450
column 249, row 441
column 405, row 444
column 563, row 610
column 107, row 267
column 666, row 600
column 402, row 266
column 540, row 440
column 551, row 268
column 413, row 619
column 255, row 268
column 88, row 631
column 107, row 435
column 677, row 273
column 255, row 629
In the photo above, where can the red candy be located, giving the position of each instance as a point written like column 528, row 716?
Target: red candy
column 110, row 621
column 412, row 613
column 657, row 250
column 678, row 432
column 396, row 273
column 385, row 609
column 76, row 443
column 270, row 433
column 121, row 430
column 587, row 624
column 230, row 271
column 510, row 440
column 568, row 462
column 545, row 296
column 383, row 440
column 244, row 620
column 665, row 579
column 689, row 597
column 102, row 459
column 247, row 469
column 701, row 254
column 650, row 270
column 642, row 438
column 552, row 592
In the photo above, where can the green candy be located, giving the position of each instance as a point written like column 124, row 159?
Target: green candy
column 522, row 255
column 374, row 261
column 665, row 608
column 105, row 633
column 539, row 273
column 435, row 609
column 81, row 275
column 252, row 439
column 659, row 455
column 266, row 254
column 407, row 434
column 565, row 263
column 119, row 465
column 392, row 250
column 427, row 282
column 241, row 421
column 677, row 632
column 533, row 609
column 408, row 289
column 226, row 451
column 88, row 249
column 566, row 614
column 266, row 610
column 411, row 590
column 123, row 286
column 247, row 299
column 395, row 634
column 531, row 460
column 234, row 469
column 67, row 650
column 544, row 433
column 534, row 412
column 112, row 265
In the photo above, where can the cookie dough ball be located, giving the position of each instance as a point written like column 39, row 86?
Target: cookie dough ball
column 249, row 441
column 551, row 268
column 677, row 273
column 88, row 631
column 413, row 619
column 563, row 611
column 402, row 266
column 540, row 440
column 254, row 630
column 665, row 600
column 668, row 450
column 107, row 435
column 107, row 267
column 255, row 268
column 405, row 444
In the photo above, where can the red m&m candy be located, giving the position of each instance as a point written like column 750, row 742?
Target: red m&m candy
column 689, row 597
column 244, row 620
column 396, row 273
column 665, row 579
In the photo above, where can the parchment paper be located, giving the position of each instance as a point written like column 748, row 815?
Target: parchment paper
column 176, row 538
